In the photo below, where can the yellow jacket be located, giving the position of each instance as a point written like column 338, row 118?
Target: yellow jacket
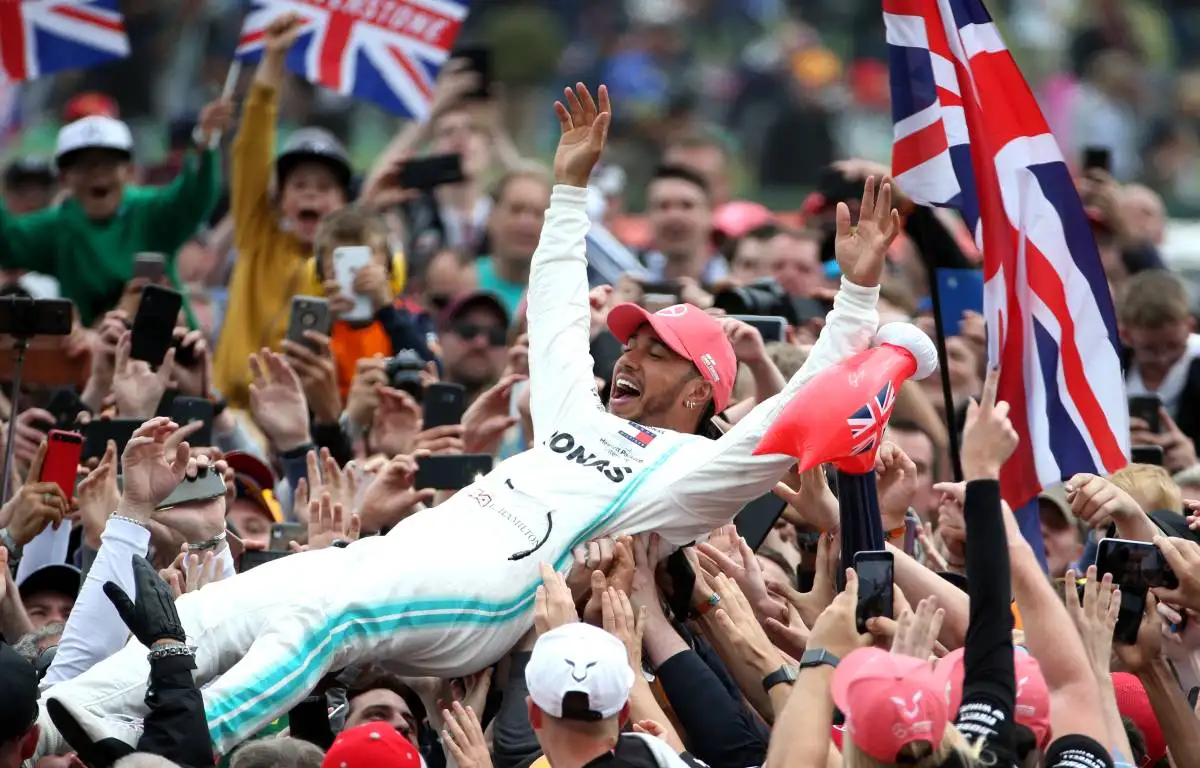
column 267, row 271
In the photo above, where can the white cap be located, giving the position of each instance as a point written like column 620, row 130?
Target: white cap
column 94, row 132
column 578, row 658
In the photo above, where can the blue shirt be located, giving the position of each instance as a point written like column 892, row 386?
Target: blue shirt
column 509, row 293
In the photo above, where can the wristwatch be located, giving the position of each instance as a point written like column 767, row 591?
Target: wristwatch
column 818, row 657
column 785, row 674
column 9, row 543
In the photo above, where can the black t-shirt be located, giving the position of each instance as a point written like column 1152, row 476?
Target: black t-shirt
column 634, row 751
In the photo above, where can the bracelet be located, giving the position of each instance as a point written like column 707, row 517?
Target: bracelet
column 130, row 520
column 9, row 543
column 207, row 544
column 174, row 649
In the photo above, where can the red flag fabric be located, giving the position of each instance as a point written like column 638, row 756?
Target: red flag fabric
column 839, row 415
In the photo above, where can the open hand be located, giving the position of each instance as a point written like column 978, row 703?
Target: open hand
column 861, row 251
column 553, row 606
column 277, row 401
column 488, row 418
column 153, row 464
column 138, row 388
column 584, row 128
column 391, row 497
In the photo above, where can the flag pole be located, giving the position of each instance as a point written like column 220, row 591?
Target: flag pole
column 943, row 367
column 231, row 81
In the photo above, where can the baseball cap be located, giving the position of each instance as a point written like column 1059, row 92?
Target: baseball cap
column 26, row 169
column 88, row 104
column 314, row 144
column 691, row 333
column 255, row 482
column 737, row 217
column 1054, row 499
column 890, row 701
column 1132, row 702
column 1033, row 695
column 19, row 704
column 372, row 745
column 94, row 132
column 458, row 306
column 579, row 672
column 60, row 578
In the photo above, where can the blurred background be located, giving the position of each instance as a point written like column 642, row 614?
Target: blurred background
column 789, row 85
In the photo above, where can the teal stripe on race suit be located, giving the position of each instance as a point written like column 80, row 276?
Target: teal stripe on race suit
column 227, row 718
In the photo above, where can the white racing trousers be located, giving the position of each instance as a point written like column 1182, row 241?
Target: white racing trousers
column 266, row 637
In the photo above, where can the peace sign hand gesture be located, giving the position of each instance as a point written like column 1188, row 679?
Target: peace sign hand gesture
column 584, row 131
column 861, row 251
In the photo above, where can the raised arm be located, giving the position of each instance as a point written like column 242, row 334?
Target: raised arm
column 861, row 253
column 560, row 365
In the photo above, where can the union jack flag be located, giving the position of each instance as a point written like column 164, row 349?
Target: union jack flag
column 39, row 37
column 970, row 136
column 388, row 52
column 867, row 423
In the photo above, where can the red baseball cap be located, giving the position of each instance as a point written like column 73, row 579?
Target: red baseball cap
column 373, row 745
column 737, row 217
column 889, row 702
column 1132, row 702
column 89, row 104
column 692, row 334
column 1033, row 695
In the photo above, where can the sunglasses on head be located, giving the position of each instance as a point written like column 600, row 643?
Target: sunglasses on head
column 495, row 335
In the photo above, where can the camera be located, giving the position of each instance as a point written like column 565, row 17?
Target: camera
column 24, row 317
column 765, row 297
column 403, row 371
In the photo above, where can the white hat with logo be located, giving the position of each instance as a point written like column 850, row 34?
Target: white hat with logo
column 94, row 132
column 579, row 672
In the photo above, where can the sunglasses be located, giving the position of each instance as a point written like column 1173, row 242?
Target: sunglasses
column 468, row 331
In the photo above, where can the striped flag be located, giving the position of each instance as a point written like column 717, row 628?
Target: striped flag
column 970, row 136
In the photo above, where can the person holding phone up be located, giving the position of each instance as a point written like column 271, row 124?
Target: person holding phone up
column 267, row 635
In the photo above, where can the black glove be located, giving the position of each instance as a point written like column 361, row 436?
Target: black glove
column 153, row 616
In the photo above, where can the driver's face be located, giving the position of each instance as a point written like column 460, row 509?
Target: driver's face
column 648, row 380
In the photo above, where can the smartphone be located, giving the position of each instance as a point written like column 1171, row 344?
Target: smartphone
column 97, row 434
column 1136, row 565
column 1129, row 616
column 185, row 410
column 442, row 405
column 25, row 318
column 1146, row 454
column 770, row 327
column 61, row 465
column 150, row 267
column 208, row 484
column 876, row 572
column 309, row 314
column 65, row 406
column 480, row 59
column 755, row 521
column 959, row 291
column 1147, row 408
column 430, row 172
column 252, row 558
column 282, row 533
column 347, row 260
column 154, row 324
column 1097, row 158
column 452, row 473
column 1192, row 696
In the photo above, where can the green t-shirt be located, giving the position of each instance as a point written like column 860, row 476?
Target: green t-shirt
column 93, row 260
column 509, row 293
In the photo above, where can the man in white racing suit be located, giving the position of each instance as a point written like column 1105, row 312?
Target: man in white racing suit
column 450, row 590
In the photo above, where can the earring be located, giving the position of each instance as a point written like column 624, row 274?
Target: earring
column 691, row 403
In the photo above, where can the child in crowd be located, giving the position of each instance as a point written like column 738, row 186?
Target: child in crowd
column 275, row 223
column 390, row 329
column 89, row 241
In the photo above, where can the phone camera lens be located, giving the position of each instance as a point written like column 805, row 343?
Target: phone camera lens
column 308, row 319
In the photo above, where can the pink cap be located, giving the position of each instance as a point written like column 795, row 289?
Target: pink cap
column 692, row 334
column 889, row 701
column 1033, row 695
column 737, row 217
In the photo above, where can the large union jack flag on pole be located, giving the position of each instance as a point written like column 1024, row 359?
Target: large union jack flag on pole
column 385, row 51
column 970, row 136
column 39, row 37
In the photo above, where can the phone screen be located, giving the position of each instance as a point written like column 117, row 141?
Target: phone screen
column 1129, row 617
column 875, row 578
column 1134, row 565
column 1146, row 408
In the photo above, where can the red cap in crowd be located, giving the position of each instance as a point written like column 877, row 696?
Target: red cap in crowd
column 1033, row 695
column 1132, row 702
column 373, row 745
column 737, row 217
column 90, row 104
column 890, row 702
column 691, row 333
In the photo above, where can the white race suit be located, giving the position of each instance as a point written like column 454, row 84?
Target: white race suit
column 450, row 590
